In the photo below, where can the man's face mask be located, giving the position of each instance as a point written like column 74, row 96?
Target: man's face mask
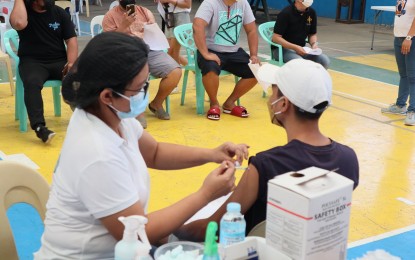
column 124, row 3
column 273, row 114
column 307, row 3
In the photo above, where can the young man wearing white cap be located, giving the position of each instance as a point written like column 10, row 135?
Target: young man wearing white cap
column 296, row 104
column 294, row 24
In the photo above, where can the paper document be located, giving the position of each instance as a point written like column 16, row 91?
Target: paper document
column 310, row 51
column 155, row 38
column 254, row 68
column 20, row 158
column 209, row 209
column 160, row 9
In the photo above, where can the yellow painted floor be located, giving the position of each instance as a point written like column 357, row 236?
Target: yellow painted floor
column 383, row 61
column 385, row 147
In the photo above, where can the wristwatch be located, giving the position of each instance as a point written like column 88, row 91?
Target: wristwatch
column 409, row 38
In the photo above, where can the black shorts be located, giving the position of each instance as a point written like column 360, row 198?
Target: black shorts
column 234, row 62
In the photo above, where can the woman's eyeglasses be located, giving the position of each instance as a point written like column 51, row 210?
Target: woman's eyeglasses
column 144, row 88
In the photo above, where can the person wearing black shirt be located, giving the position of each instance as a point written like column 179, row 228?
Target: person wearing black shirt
column 301, row 92
column 294, row 24
column 43, row 29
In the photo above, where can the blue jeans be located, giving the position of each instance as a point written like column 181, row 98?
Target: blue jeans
column 289, row 54
column 406, row 68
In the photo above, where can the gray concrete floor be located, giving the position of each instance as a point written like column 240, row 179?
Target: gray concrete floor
column 336, row 39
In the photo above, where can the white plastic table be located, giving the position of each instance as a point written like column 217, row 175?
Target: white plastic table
column 378, row 11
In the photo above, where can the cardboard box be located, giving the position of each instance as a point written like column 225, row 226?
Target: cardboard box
column 308, row 214
column 252, row 248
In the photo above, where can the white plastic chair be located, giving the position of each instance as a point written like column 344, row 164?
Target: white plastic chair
column 113, row 4
column 258, row 230
column 18, row 184
column 72, row 10
column 7, row 7
column 97, row 20
column 75, row 16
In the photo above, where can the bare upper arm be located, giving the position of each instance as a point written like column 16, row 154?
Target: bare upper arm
column 148, row 147
column 199, row 23
column 250, row 27
column 114, row 226
column 245, row 193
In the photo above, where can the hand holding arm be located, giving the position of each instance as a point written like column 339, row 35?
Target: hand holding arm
column 168, row 156
column 228, row 151
column 18, row 17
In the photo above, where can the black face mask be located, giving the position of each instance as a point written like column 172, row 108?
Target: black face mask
column 124, row 3
column 48, row 4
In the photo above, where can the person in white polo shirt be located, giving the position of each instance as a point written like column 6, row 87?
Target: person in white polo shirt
column 301, row 92
column 102, row 170
column 404, row 31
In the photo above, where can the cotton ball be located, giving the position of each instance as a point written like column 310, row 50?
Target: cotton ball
column 378, row 254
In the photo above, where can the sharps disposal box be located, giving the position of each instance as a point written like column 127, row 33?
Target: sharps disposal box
column 308, row 214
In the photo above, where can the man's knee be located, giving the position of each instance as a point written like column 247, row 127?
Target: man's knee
column 211, row 74
column 176, row 73
column 324, row 61
column 32, row 82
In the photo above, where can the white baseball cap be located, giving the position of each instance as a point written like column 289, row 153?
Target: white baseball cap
column 305, row 83
column 307, row 3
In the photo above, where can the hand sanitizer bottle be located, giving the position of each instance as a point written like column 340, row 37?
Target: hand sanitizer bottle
column 211, row 246
column 129, row 245
column 143, row 251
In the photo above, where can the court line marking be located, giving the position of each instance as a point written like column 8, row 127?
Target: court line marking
column 406, row 201
column 381, row 236
column 361, row 99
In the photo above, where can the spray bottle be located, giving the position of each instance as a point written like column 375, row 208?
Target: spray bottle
column 129, row 246
column 211, row 246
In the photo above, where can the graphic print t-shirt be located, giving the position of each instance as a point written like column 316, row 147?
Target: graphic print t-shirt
column 43, row 38
column 224, row 23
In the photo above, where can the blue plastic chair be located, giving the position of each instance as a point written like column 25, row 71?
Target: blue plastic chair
column 11, row 38
column 184, row 35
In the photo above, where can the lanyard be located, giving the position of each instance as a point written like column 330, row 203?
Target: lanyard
column 229, row 11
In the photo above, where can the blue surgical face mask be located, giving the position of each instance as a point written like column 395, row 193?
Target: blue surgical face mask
column 138, row 104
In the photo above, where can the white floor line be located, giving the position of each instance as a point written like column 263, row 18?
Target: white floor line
column 360, row 99
column 381, row 236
